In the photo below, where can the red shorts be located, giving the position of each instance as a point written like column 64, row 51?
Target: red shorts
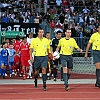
column 24, row 61
column 16, row 58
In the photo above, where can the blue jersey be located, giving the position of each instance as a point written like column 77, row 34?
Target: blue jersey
column 0, row 56
column 4, row 55
column 11, row 54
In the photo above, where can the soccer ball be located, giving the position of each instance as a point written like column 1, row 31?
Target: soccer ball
column 56, row 55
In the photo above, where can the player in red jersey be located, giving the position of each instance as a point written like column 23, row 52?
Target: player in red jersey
column 25, row 56
column 17, row 56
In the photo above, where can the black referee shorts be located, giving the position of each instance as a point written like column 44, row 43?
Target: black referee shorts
column 96, row 56
column 40, row 61
column 66, row 61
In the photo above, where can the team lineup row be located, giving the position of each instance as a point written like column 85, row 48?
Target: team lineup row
column 42, row 49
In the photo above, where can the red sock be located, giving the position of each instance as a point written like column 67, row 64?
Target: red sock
column 27, row 70
column 16, row 67
column 13, row 67
column 23, row 71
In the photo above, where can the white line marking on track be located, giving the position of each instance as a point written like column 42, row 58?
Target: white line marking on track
column 48, row 87
column 68, row 99
column 56, row 99
column 68, row 92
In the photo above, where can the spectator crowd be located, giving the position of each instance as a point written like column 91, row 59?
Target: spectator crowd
column 82, row 16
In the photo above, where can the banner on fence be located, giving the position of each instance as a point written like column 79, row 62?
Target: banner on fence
column 22, row 27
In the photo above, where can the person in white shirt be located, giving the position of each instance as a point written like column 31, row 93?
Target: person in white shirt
column 86, row 10
column 29, row 39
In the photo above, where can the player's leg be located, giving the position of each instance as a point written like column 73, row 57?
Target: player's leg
column 48, row 71
column 23, row 67
column 61, row 73
column 36, row 66
column 69, row 66
column 16, row 58
column 40, row 72
column 64, row 66
column 96, row 58
column 97, row 74
column 61, row 70
column 10, row 68
column 2, row 68
column 30, row 69
column 55, row 69
column 27, row 66
column 44, row 62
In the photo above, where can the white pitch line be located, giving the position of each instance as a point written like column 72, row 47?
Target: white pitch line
column 51, row 87
column 56, row 99
column 44, row 92
column 68, row 99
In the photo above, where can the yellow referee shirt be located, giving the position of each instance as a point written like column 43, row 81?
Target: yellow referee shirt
column 49, row 41
column 95, row 40
column 40, row 46
column 67, row 46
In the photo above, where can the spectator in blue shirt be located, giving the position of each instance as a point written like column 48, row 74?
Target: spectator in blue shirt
column 5, row 19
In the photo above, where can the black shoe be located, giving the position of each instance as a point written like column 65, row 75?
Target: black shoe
column 67, row 88
column 35, row 84
column 61, row 79
column 44, row 88
column 55, row 79
column 97, row 85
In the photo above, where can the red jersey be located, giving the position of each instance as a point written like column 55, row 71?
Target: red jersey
column 17, row 45
column 24, row 49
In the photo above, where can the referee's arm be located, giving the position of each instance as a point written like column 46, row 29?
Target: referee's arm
column 80, row 50
column 31, row 50
column 87, row 49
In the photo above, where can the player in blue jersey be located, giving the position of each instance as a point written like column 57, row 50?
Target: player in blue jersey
column 11, row 58
column 4, row 59
column 0, row 59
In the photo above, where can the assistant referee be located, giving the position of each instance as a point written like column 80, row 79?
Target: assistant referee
column 67, row 45
column 41, row 48
column 95, row 41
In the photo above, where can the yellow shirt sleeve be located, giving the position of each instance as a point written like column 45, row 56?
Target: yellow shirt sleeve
column 91, row 39
column 48, row 46
column 75, row 44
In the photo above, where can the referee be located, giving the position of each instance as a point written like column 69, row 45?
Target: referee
column 95, row 41
column 67, row 45
column 41, row 49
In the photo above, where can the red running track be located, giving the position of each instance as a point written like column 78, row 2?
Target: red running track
column 54, row 92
